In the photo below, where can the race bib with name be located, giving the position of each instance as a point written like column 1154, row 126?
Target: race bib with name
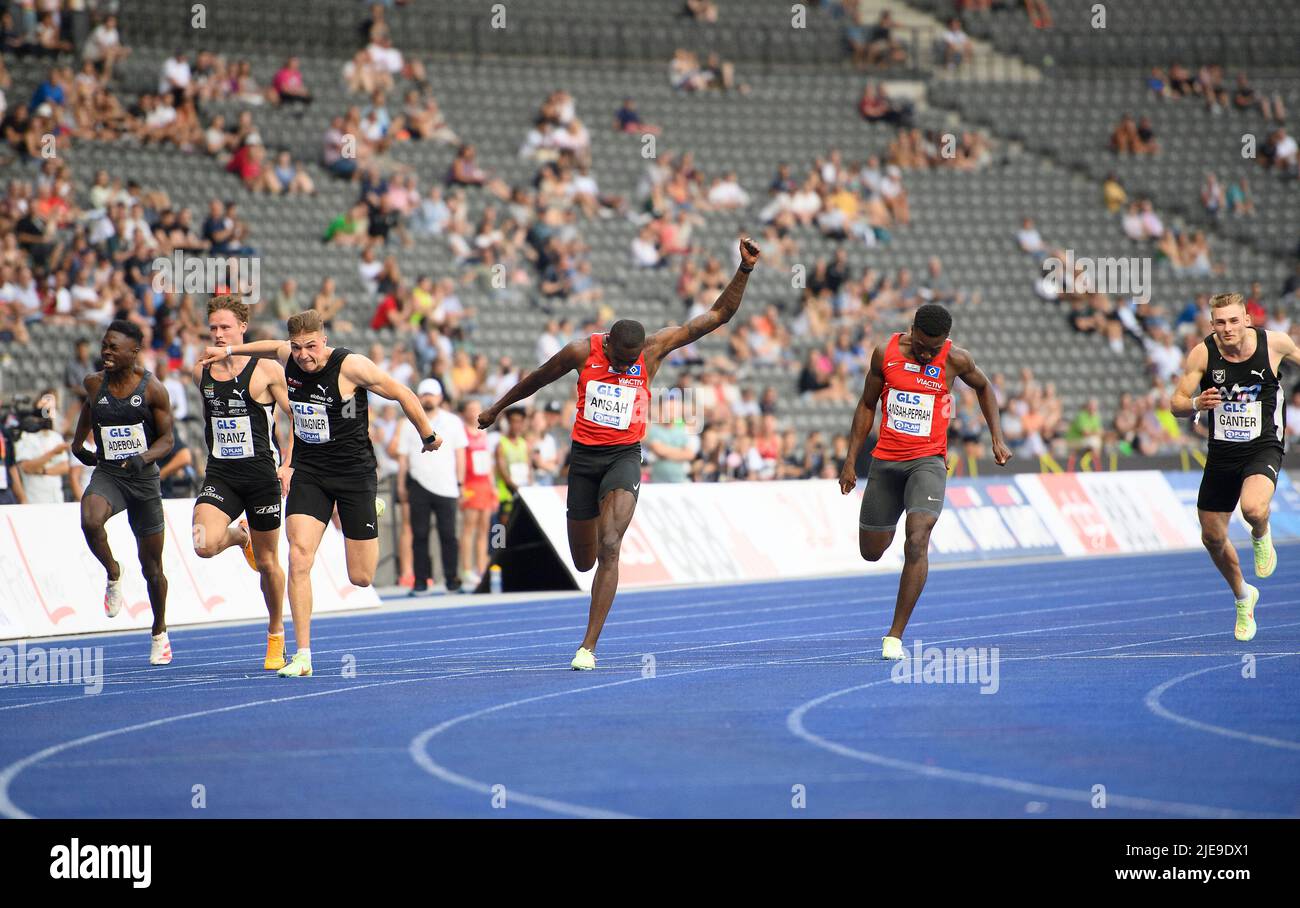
column 1238, row 420
column 609, row 405
column 311, row 423
column 121, row 442
column 232, row 437
column 481, row 461
column 909, row 412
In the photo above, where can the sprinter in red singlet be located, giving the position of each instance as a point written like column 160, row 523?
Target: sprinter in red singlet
column 912, row 376
column 614, row 375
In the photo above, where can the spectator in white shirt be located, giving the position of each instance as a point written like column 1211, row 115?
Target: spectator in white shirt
column 175, row 79
column 430, row 482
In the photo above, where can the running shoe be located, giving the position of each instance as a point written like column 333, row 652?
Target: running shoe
column 1245, row 629
column 584, row 660
column 892, row 648
column 160, row 650
column 248, row 546
column 300, row 667
column 113, row 598
column 1265, row 555
column 274, row 652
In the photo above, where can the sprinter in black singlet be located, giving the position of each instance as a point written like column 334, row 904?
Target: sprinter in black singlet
column 1233, row 379
column 127, row 409
column 333, row 461
column 244, row 467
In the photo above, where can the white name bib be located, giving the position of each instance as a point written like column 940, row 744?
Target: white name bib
column 1238, row 420
column 121, row 442
column 310, row 423
column 481, row 461
column 609, row 405
column 909, row 412
column 232, row 437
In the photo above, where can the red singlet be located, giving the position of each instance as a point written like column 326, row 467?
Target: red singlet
column 916, row 405
column 613, row 407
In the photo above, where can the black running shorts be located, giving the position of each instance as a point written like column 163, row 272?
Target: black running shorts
column 259, row 499
column 1221, row 482
column 596, row 470
column 139, row 496
column 316, row 496
column 895, row 486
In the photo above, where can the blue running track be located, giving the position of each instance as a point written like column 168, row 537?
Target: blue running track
column 732, row 701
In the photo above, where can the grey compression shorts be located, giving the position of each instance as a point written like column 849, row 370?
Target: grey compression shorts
column 895, row 486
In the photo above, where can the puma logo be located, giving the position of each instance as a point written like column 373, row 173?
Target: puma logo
column 1270, row 466
column 370, row 526
column 239, row 393
column 1259, row 372
column 322, row 388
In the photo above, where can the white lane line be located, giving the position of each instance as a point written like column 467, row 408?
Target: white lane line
column 1152, row 701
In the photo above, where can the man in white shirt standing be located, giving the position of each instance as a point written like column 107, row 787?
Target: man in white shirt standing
column 432, row 484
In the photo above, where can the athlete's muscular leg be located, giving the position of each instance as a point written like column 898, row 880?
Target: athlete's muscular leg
column 266, row 549
column 583, row 542
column 873, row 543
column 150, row 550
column 1214, row 536
column 916, row 567
column 305, row 534
column 213, row 532
column 95, row 511
column 362, row 556
column 616, row 510
column 1256, row 500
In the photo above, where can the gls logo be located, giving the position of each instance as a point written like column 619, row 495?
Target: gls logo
column 905, row 397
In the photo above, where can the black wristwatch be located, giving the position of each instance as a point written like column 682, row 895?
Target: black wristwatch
column 430, row 438
column 746, row 270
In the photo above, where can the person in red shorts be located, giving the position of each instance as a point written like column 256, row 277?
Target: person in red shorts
column 614, row 375
column 912, row 376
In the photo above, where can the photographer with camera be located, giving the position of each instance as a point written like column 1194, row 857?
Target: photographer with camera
column 41, row 453
column 11, row 480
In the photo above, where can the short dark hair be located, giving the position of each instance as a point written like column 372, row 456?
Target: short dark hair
column 127, row 329
column 933, row 320
column 626, row 333
column 521, row 412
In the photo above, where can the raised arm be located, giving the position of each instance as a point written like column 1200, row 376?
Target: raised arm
column 365, row 374
column 279, row 389
column 1185, row 401
column 864, row 416
column 964, row 365
column 663, row 342
column 571, row 357
column 276, row 349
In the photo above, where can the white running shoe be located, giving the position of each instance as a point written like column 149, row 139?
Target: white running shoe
column 583, row 661
column 160, row 650
column 113, row 598
column 892, row 648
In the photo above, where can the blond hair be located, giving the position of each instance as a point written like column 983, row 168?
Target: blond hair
column 1222, row 300
column 230, row 303
column 305, row 322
